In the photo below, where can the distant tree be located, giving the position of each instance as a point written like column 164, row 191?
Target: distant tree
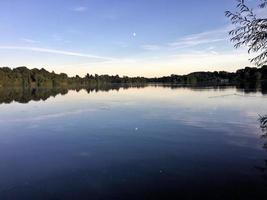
column 87, row 76
column 250, row 30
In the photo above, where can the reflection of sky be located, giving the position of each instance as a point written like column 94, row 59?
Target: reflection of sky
column 202, row 108
column 81, row 131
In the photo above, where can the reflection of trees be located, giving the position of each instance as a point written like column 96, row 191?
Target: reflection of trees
column 253, row 86
column 246, row 87
column 108, row 87
column 24, row 95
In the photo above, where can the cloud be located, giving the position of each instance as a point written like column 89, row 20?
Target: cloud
column 59, row 38
column 193, row 40
column 29, row 41
column 80, row 9
column 207, row 37
column 150, row 47
column 55, row 51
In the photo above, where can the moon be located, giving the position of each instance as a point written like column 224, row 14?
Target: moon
column 134, row 34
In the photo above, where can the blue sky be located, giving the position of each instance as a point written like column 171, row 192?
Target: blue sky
column 125, row 37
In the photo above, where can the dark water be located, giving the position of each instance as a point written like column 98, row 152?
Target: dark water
column 132, row 143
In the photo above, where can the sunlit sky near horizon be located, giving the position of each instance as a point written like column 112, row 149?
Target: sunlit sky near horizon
column 125, row 37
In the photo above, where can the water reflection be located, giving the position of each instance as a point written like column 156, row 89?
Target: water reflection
column 22, row 95
column 25, row 95
column 246, row 87
column 158, row 142
column 252, row 87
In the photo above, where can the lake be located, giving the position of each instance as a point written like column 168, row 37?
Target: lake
column 149, row 142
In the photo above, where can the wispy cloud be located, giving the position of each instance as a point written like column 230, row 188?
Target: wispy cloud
column 193, row 40
column 58, row 38
column 31, row 41
column 55, row 51
column 150, row 47
column 207, row 37
column 80, row 9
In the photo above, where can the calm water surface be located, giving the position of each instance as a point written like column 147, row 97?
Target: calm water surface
column 135, row 143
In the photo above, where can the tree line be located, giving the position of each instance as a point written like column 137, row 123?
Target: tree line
column 22, row 76
column 36, row 78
